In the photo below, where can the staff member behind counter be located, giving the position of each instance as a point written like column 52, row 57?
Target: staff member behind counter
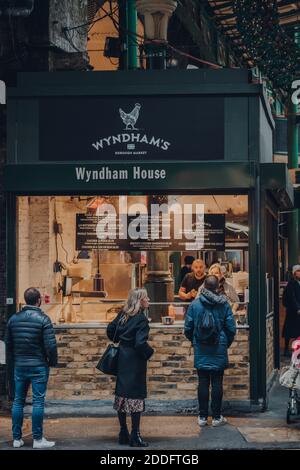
column 224, row 287
column 187, row 268
column 192, row 281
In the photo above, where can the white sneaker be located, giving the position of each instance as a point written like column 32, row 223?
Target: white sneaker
column 42, row 444
column 202, row 421
column 219, row 422
column 18, row 443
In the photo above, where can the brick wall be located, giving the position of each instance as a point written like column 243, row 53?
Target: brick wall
column 170, row 371
column 36, row 247
column 34, row 264
column 23, row 246
column 65, row 210
column 270, row 347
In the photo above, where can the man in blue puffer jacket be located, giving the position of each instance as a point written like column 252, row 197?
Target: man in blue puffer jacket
column 31, row 346
column 210, row 360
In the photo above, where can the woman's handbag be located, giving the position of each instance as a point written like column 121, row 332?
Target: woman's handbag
column 108, row 363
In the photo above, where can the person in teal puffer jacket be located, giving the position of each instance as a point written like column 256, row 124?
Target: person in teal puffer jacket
column 210, row 359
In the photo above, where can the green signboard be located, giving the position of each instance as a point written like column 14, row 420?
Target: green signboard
column 128, row 176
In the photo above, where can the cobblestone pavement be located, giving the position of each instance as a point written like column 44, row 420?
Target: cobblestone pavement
column 266, row 430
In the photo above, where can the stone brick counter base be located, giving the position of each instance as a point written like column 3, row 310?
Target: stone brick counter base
column 171, row 375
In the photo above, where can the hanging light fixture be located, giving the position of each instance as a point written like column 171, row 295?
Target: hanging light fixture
column 95, row 203
column 98, row 281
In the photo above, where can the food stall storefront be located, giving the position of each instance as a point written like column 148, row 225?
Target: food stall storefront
column 111, row 180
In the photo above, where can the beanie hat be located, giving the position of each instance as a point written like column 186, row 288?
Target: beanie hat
column 295, row 268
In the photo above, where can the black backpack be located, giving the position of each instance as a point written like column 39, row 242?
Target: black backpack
column 208, row 328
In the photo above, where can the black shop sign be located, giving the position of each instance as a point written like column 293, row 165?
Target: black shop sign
column 131, row 128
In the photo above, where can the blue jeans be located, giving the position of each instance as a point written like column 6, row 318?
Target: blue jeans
column 24, row 376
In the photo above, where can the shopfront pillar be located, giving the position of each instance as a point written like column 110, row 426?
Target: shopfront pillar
column 128, row 35
column 159, row 282
column 156, row 19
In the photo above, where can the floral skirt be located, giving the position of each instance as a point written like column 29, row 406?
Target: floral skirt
column 129, row 405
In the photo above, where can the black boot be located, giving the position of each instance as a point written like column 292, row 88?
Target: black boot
column 124, row 437
column 136, row 440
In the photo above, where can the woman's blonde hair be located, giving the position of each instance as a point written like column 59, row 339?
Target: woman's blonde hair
column 215, row 266
column 133, row 304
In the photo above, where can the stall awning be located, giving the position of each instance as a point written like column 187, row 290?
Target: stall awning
column 275, row 178
column 159, row 176
column 129, row 176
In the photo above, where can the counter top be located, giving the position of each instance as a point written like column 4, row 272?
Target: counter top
column 99, row 325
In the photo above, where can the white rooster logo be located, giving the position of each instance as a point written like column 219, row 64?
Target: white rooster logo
column 130, row 119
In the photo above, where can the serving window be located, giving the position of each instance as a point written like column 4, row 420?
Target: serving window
column 84, row 253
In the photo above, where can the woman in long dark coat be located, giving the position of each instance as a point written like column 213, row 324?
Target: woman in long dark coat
column 291, row 301
column 131, row 329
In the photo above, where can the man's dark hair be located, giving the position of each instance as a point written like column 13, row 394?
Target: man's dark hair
column 211, row 283
column 32, row 296
column 189, row 259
